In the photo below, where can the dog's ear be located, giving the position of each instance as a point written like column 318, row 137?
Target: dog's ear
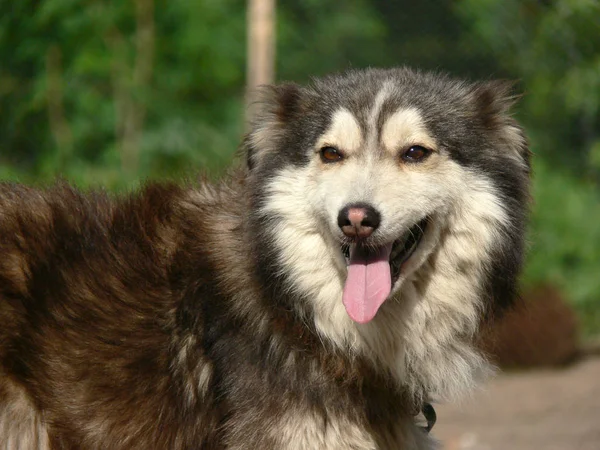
column 493, row 102
column 274, row 108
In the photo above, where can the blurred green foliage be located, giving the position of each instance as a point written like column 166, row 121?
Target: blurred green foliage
column 564, row 240
column 553, row 47
column 112, row 92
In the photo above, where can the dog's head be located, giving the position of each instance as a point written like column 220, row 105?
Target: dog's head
column 391, row 190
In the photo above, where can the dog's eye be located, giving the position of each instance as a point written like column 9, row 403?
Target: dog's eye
column 416, row 153
column 331, row 154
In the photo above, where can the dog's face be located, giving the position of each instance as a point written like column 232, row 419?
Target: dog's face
column 385, row 187
column 384, row 157
column 380, row 186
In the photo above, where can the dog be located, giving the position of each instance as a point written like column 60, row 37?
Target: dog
column 318, row 296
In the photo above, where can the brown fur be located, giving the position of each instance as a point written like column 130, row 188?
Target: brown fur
column 105, row 343
column 211, row 316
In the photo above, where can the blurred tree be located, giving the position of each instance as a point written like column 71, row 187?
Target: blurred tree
column 554, row 47
column 260, row 42
column 316, row 37
column 81, row 86
column 260, row 45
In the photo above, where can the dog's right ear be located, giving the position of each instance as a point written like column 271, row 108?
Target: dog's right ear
column 274, row 108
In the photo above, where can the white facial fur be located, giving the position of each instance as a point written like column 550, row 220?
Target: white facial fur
column 423, row 331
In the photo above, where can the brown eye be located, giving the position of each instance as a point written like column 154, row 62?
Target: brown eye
column 331, row 154
column 416, row 153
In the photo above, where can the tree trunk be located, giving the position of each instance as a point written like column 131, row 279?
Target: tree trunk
column 260, row 47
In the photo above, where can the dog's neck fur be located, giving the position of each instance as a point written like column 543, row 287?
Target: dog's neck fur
column 423, row 335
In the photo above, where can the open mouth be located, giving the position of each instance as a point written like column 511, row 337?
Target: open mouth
column 402, row 248
column 372, row 271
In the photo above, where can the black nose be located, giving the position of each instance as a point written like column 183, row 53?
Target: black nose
column 358, row 220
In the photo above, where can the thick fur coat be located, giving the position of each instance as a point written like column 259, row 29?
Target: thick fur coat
column 210, row 315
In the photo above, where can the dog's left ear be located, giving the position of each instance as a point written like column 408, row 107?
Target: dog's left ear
column 493, row 102
column 274, row 109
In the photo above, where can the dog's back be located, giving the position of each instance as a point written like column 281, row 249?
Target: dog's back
column 88, row 291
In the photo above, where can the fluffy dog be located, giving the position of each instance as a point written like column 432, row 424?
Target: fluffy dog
column 315, row 298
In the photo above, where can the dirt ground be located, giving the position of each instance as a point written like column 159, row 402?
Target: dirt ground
column 539, row 410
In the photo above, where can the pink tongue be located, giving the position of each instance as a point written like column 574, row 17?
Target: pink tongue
column 368, row 284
